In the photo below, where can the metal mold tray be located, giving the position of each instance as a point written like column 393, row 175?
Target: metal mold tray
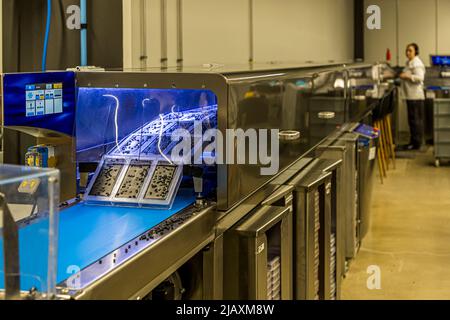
column 162, row 185
column 103, row 184
column 129, row 184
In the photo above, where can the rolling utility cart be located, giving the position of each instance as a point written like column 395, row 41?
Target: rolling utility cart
column 441, row 130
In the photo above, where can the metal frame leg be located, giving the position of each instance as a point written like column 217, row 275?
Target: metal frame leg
column 10, row 252
column 213, row 270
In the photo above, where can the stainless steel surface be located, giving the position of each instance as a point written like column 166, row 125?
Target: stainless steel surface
column 244, row 197
column 213, row 270
column 261, row 221
column 334, row 232
column 312, row 215
column 252, row 210
column 264, row 234
column 346, row 148
column 281, row 194
column 229, row 218
column 326, row 115
column 268, row 101
column 136, row 268
column 239, row 70
column 235, row 182
column 253, row 97
column 366, row 173
column 340, row 201
column 289, row 135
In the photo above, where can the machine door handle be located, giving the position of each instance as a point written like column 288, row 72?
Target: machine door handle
column 284, row 192
column 262, row 220
column 326, row 115
column 289, row 135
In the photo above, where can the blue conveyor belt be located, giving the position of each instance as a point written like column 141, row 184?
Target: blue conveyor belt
column 86, row 234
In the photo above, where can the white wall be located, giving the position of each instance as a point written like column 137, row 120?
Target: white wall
column 217, row 31
column 417, row 23
column 293, row 30
column 1, row 38
column 376, row 42
column 426, row 22
column 443, row 29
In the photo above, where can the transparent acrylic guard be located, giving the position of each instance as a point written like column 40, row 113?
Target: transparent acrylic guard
column 29, row 199
column 138, row 123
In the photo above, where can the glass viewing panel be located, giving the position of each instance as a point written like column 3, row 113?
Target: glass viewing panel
column 328, row 104
column 269, row 104
column 362, row 83
column 141, row 139
column 138, row 123
column 368, row 84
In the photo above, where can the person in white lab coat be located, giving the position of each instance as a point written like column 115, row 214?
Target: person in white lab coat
column 413, row 77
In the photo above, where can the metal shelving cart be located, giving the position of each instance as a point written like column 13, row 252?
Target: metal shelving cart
column 441, row 130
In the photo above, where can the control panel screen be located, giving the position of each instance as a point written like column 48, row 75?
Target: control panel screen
column 440, row 60
column 44, row 99
column 41, row 100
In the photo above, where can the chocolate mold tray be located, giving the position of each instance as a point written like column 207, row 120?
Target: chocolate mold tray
column 158, row 188
column 102, row 185
column 131, row 182
column 163, row 185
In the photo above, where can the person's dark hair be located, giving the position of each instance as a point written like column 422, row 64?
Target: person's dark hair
column 415, row 46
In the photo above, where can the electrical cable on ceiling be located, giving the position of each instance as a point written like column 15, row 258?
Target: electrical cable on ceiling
column 47, row 34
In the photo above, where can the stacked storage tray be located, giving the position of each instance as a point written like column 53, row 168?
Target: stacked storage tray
column 316, row 245
column 441, row 130
column 274, row 279
column 334, row 227
column 333, row 252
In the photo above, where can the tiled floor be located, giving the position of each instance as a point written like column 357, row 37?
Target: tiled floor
column 409, row 238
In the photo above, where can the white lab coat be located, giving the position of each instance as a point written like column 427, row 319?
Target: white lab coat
column 414, row 89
